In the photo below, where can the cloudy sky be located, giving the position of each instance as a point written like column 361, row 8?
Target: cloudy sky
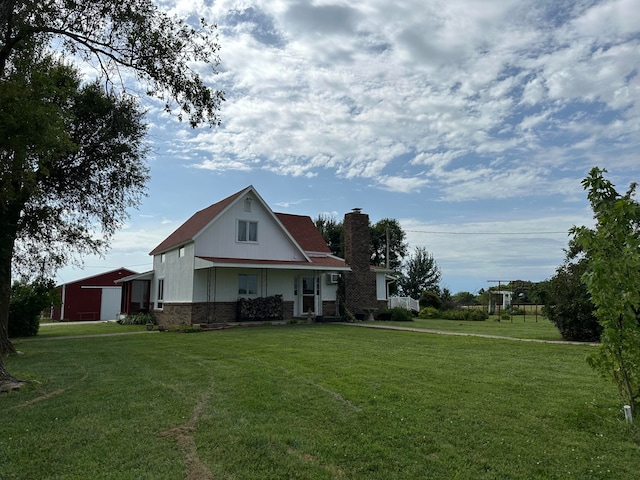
column 472, row 122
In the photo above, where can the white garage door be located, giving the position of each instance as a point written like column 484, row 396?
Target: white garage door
column 110, row 306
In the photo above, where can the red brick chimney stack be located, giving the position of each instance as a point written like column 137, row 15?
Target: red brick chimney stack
column 360, row 282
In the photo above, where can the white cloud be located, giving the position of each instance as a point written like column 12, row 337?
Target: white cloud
column 619, row 17
column 430, row 110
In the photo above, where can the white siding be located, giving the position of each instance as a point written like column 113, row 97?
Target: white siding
column 329, row 292
column 220, row 238
column 177, row 273
column 381, row 286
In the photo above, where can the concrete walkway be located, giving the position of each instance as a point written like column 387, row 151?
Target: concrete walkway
column 464, row 334
column 88, row 322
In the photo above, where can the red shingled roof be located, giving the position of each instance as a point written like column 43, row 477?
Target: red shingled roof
column 197, row 222
column 304, row 231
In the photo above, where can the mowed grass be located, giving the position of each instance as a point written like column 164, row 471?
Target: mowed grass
column 98, row 328
column 518, row 326
column 311, row 402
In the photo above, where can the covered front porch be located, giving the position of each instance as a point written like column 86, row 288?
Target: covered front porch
column 136, row 293
column 281, row 291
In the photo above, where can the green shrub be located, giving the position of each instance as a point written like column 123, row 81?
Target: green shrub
column 429, row 312
column 138, row 319
column 505, row 316
column 465, row 314
column 26, row 304
column 396, row 314
column 349, row 316
column 429, row 298
column 568, row 304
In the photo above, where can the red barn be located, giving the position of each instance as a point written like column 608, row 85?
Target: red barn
column 91, row 298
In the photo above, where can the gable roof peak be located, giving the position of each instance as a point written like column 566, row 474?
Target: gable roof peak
column 185, row 232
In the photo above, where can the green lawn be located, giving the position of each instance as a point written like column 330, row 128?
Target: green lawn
column 69, row 328
column 517, row 327
column 311, row 402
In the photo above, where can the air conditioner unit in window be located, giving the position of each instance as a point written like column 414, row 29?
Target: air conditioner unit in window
column 332, row 278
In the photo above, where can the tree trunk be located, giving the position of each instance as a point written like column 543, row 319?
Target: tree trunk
column 8, row 381
column 5, row 295
column 7, row 242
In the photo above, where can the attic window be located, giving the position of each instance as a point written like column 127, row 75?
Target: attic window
column 247, row 204
column 247, row 231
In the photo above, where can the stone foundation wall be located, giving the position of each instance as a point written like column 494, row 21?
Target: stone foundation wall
column 173, row 314
column 329, row 308
column 223, row 312
column 287, row 310
column 195, row 313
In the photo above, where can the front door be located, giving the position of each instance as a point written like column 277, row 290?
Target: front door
column 308, row 295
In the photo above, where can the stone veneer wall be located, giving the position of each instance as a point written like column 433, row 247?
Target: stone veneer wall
column 173, row 314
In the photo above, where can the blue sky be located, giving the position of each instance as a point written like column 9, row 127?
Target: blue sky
column 472, row 122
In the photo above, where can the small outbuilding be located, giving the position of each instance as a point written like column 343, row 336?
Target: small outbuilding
column 93, row 298
column 498, row 295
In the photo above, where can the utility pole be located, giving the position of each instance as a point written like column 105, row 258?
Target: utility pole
column 387, row 252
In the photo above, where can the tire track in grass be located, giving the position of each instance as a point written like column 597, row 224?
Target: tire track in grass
column 183, row 435
column 52, row 394
column 334, row 470
column 335, row 395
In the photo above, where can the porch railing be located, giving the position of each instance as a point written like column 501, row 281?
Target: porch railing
column 407, row 303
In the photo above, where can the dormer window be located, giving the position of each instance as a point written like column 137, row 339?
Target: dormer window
column 247, row 231
column 247, row 204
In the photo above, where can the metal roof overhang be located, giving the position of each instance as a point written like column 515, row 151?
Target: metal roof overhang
column 139, row 276
column 321, row 263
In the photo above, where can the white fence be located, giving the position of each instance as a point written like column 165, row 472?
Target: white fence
column 407, row 303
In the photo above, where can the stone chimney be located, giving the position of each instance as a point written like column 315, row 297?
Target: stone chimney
column 360, row 282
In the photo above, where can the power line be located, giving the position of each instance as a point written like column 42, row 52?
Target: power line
column 488, row 233
column 107, row 266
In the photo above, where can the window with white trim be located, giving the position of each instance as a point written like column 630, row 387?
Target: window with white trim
column 247, row 284
column 160, row 293
column 181, row 252
column 247, row 231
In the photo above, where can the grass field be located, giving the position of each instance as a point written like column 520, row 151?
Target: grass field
column 517, row 327
column 97, row 328
column 310, row 402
